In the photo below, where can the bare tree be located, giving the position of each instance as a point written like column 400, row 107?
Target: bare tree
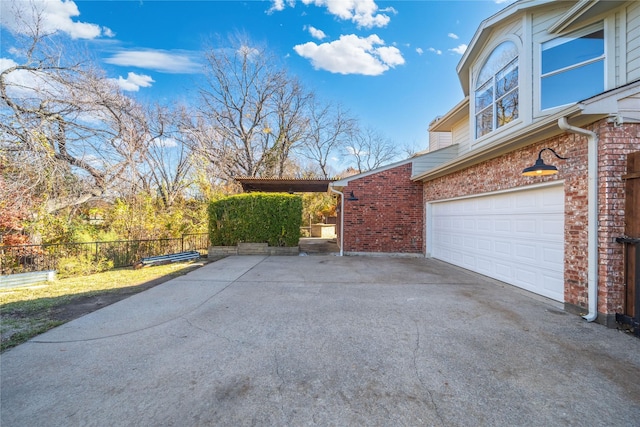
column 329, row 129
column 66, row 130
column 370, row 149
column 251, row 112
column 168, row 162
column 289, row 106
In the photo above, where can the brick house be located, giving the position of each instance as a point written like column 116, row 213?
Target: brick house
column 538, row 76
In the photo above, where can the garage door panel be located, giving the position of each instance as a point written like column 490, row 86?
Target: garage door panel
column 502, row 248
column 485, row 246
column 525, row 227
column 525, row 253
column 553, row 228
column 527, row 276
column 503, row 271
column 484, row 225
column 516, row 237
column 502, row 226
column 484, row 266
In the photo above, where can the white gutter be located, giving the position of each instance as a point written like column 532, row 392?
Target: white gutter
column 592, row 207
column 341, row 219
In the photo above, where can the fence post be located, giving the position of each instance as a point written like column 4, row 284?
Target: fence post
column 182, row 244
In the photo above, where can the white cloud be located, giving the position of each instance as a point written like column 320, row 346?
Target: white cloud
column 279, row 5
column 419, row 50
column 276, row 6
column 133, row 82
column 434, row 50
column 460, row 50
column 53, row 15
column 23, row 83
column 390, row 55
column 165, row 142
column 364, row 13
column 453, row 36
column 316, row 33
column 389, row 9
column 6, row 63
column 352, row 55
column 158, row 60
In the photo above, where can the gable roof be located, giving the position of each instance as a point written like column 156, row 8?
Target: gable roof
column 345, row 181
column 581, row 11
column 484, row 31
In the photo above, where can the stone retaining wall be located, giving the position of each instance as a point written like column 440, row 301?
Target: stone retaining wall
column 252, row 249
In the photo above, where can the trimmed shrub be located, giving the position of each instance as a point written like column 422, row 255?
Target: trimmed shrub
column 272, row 218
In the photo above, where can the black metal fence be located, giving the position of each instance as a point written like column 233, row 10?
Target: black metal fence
column 27, row 258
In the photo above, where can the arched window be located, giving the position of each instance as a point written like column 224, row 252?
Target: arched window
column 496, row 94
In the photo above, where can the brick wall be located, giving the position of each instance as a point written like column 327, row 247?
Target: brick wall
column 615, row 144
column 505, row 173
column 388, row 216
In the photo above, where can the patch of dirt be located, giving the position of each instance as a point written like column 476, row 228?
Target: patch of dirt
column 79, row 306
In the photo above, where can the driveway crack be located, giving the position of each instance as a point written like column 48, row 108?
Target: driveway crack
column 419, row 378
column 281, row 385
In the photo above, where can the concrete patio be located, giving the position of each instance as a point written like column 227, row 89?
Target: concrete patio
column 325, row 340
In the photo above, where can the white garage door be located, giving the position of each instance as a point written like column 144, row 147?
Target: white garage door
column 515, row 237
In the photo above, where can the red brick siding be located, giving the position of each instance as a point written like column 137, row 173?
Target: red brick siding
column 388, row 215
column 505, row 173
column 615, row 144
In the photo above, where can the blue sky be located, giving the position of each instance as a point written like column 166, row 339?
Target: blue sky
column 391, row 63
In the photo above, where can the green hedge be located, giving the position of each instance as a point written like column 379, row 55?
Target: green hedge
column 272, row 218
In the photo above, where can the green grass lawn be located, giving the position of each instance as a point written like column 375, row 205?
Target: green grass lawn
column 28, row 311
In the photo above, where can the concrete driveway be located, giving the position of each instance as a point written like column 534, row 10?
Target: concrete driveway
column 325, row 340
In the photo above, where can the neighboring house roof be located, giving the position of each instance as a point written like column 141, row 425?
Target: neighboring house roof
column 446, row 122
column 285, row 185
column 345, row 181
column 419, row 163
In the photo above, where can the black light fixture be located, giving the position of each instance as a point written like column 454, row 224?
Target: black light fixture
column 540, row 168
column 352, row 197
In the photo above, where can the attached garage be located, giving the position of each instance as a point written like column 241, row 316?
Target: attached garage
column 516, row 237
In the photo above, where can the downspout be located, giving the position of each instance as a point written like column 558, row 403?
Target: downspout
column 592, row 208
column 341, row 219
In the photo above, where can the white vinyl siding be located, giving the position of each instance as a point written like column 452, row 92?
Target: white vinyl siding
column 633, row 42
column 423, row 163
column 516, row 237
column 460, row 135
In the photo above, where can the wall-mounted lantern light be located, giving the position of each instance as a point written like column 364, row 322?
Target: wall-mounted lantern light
column 540, row 168
column 352, row 197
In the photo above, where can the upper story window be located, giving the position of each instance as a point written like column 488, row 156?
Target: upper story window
column 572, row 67
column 496, row 93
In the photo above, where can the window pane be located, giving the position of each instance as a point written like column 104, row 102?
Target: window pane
column 506, row 79
column 501, row 56
column 557, row 56
column 484, row 96
column 507, row 109
column 484, row 122
column 573, row 85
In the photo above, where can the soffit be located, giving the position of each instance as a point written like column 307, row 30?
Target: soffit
column 580, row 14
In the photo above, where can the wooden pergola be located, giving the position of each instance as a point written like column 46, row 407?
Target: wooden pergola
column 284, row 185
